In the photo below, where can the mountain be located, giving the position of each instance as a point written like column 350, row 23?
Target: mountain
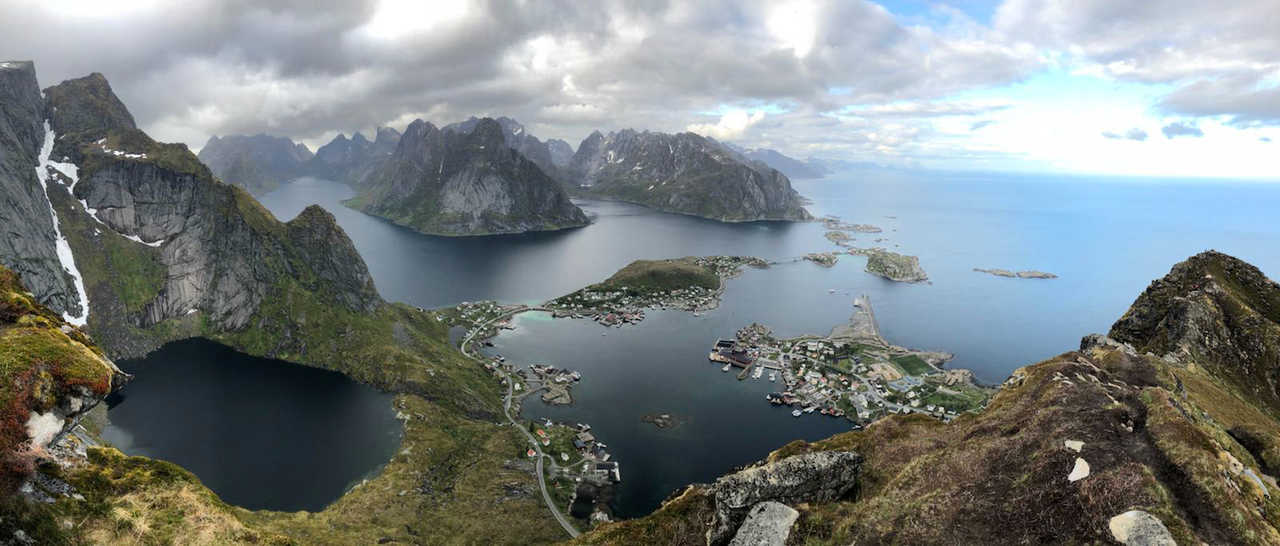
column 1165, row 432
column 27, row 246
column 464, row 182
column 683, row 173
column 793, row 168
column 561, row 152
column 518, row 139
column 351, row 160
column 257, row 163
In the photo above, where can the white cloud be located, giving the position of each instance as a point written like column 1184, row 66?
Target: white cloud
column 731, row 125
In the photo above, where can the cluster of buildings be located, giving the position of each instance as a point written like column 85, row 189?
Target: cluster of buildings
column 619, row 306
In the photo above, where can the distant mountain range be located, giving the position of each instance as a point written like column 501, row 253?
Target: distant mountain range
column 683, row 173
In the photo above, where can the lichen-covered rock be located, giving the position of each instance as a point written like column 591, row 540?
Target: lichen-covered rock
column 464, row 183
column 683, row 173
column 811, row 477
column 50, row 375
column 1138, row 528
column 768, row 524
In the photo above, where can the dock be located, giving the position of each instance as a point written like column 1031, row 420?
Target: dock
column 745, row 371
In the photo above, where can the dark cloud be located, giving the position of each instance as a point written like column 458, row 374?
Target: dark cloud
column 1132, row 134
column 1239, row 100
column 1181, row 128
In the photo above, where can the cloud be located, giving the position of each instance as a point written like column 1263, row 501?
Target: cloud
column 980, row 124
column 731, row 125
column 1181, row 128
column 1135, row 134
column 1264, row 139
column 1219, row 57
column 308, row 69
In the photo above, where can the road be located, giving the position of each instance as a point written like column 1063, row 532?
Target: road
column 506, row 411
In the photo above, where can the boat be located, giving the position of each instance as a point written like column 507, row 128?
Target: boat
column 773, row 376
column 725, row 368
column 759, row 371
column 795, row 413
column 809, row 409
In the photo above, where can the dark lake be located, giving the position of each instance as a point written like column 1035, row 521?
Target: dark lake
column 262, row 434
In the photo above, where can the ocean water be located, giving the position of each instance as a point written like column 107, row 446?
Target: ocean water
column 1105, row 238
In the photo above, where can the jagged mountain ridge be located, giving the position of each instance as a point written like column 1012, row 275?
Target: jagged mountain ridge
column 683, row 173
column 257, row 163
column 520, row 140
column 451, row 182
column 1105, row 444
column 790, row 166
column 351, row 160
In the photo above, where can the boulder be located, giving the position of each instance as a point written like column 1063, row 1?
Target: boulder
column 811, row 477
column 1138, row 528
column 768, row 524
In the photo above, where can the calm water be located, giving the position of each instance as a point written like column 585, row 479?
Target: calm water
column 1107, row 239
column 262, row 434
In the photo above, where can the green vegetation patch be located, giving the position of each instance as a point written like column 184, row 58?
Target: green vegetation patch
column 647, row 276
column 912, row 364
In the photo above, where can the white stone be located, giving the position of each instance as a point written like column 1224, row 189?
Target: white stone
column 768, row 524
column 1080, row 471
column 1074, row 445
column 42, row 427
column 1138, row 528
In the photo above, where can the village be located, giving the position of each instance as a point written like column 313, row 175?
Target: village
column 852, row 373
column 688, row 284
column 577, row 468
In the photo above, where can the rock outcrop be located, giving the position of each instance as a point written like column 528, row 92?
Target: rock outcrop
column 683, row 173
column 53, row 374
column 465, row 183
column 258, row 163
column 28, row 244
column 811, row 477
column 768, row 524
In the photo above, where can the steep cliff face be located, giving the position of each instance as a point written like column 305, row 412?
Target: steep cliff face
column 351, row 160
column 683, row 173
column 561, row 152
column 1104, row 444
column 465, row 183
column 258, row 163
column 517, row 138
column 29, row 244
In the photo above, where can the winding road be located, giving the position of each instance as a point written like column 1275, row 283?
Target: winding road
column 506, row 411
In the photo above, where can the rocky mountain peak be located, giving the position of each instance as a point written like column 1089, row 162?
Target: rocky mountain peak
column 86, row 109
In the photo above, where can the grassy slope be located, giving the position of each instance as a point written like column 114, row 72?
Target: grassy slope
column 645, row 276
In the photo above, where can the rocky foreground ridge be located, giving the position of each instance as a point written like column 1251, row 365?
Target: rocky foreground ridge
column 1165, row 432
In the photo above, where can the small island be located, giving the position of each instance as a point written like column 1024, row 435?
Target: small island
column 661, row 420
column 824, row 259
column 690, row 283
column 891, row 265
column 1026, row 274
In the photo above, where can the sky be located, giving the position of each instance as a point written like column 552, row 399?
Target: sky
column 1123, row 87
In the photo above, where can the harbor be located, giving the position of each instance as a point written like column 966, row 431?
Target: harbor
column 852, row 373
